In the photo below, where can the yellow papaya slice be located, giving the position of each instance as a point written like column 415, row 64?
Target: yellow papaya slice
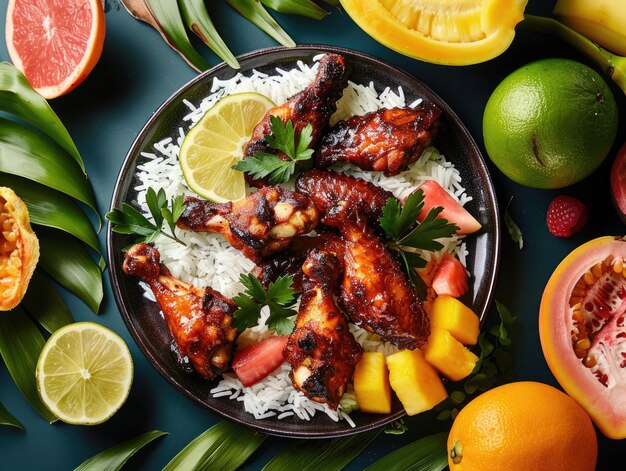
column 582, row 328
column 19, row 249
column 449, row 32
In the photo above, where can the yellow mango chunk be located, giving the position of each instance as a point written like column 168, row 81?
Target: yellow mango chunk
column 371, row 384
column 450, row 314
column 448, row 355
column 416, row 383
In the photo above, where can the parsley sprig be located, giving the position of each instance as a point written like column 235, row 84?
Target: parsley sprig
column 283, row 139
column 399, row 223
column 128, row 220
column 494, row 365
column 279, row 297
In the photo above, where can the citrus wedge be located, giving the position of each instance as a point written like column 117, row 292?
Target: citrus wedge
column 449, row 32
column 55, row 44
column 217, row 142
column 84, row 373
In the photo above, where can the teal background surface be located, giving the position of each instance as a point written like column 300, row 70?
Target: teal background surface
column 136, row 73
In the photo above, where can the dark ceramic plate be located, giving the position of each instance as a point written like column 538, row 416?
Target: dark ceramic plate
column 142, row 316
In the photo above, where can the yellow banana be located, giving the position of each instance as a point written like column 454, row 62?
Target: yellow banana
column 602, row 21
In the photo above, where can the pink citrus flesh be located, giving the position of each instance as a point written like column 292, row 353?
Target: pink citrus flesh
column 56, row 44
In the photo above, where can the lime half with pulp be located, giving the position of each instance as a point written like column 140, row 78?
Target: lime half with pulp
column 217, row 142
column 84, row 373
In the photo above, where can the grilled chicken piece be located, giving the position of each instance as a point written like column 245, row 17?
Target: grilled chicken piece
column 263, row 223
column 321, row 349
column 314, row 105
column 376, row 294
column 198, row 319
column 384, row 140
column 290, row 261
column 343, row 198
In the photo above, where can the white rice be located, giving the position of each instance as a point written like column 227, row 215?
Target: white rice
column 209, row 260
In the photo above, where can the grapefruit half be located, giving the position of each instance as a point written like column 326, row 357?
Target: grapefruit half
column 55, row 44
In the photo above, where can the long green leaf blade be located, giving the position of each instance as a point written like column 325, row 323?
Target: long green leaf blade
column 20, row 346
column 115, row 457
column 6, row 418
column 67, row 261
column 330, row 455
column 297, row 7
column 45, row 304
column 29, row 154
column 18, row 97
column 50, row 208
column 198, row 20
column 166, row 13
column 426, row 454
column 225, row 446
column 254, row 12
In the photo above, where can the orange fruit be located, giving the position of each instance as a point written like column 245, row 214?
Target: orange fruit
column 550, row 123
column 522, row 426
column 55, row 44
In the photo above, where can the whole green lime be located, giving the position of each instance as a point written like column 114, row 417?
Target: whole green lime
column 550, row 123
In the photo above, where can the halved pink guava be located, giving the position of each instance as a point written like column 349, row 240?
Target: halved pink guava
column 582, row 328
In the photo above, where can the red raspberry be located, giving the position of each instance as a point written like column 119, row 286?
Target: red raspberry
column 566, row 215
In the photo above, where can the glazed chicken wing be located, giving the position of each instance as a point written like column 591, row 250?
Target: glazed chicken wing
column 343, row 198
column 290, row 261
column 198, row 319
column 376, row 294
column 263, row 223
column 321, row 349
column 387, row 140
column 314, row 105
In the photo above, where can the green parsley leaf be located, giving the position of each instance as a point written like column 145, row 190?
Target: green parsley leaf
column 248, row 312
column 279, row 169
column 279, row 298
column 129, row 220
column 403, row 231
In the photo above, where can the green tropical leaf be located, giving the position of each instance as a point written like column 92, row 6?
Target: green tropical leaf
column 225, row 446
column 167, row 14
column 329, row 455
column 67, row 261
column 45, row 305
column 6, row 418
column 20, row 346
column 254, row 12
column 297, row 7
column 48, row 207
column 30, row 154
column 18, row 98
column 198, row 20
column 115, row 457
column 426, row 454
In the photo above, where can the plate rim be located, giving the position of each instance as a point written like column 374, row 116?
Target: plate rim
column 127, row 164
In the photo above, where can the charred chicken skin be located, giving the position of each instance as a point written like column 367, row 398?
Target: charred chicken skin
column 261, row 224
column 321, row 349
column 376, row 294
column 343, row 198
column 290, row 261
column 198, row 319
column 314, row 105
column 387, row 140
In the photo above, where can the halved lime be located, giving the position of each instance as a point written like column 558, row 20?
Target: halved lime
column 217, row 142
column 84, row 373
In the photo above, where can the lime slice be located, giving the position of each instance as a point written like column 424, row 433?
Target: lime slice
column 84, row 373
column 217, row 142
